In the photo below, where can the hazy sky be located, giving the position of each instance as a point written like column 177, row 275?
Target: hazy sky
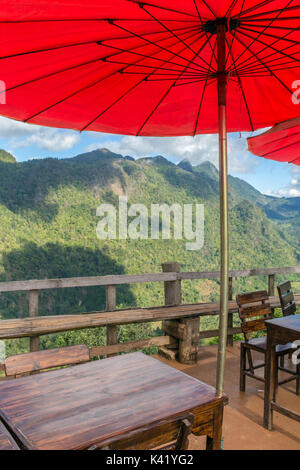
column 26, row 141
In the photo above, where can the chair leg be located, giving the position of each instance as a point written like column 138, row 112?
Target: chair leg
column 298, row 380
column 242, row 368
column 281, row 361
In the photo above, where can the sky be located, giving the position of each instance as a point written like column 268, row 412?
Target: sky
column 27, row 141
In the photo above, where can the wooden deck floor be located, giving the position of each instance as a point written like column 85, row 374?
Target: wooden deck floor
column 242, row 428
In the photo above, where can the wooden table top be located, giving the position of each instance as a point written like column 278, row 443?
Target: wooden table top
column 73, row 408
column 291, row 322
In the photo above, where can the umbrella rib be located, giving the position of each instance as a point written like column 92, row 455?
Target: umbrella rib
column 202, row 98
column 162, row 98
column 269, row 70
column 83, row 43
column 285, row 28
column 122, row 96
column 192, row 82
column 272, row 54
column 147, row 56
column 87, row 87
column 170, row 31
column 232, row 41
column 254, row 40
column 233, row 3
column 285, row 146
column 99, row 59
column 75, row 20
column 296, row 43
column 200, row 18
column 243, row 92
column 255, row 7
column 137, row 2
column 277, row 51
column 282, row 10
column 209, row 7
column 157, row 45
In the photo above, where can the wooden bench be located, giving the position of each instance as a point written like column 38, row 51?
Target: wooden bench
column 48, row 359
column 7, row 442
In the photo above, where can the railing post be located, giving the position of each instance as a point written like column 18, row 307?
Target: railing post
column 230, row 315
column 111, row 331
column 271, row 285
column 34, row 312
column 186, row 330
column 172, row 291
column 271, row 288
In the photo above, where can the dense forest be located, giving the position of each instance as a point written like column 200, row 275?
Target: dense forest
column 48, row 230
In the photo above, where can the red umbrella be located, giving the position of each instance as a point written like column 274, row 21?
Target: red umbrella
column 281, row 142
column 153, row 68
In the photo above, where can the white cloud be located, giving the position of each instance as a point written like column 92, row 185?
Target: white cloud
column 20, row 134
column 293, row 189
column 195, row 149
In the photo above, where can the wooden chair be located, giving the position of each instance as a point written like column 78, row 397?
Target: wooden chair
column 286, row 297
column 7, row 442
column 51, row 358
column 254, row 311
column 168, row 434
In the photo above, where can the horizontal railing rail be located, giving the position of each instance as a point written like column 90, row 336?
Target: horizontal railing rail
column 181, row 323
column 119, row 279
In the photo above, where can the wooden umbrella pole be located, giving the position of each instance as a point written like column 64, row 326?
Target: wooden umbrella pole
column 223, row 176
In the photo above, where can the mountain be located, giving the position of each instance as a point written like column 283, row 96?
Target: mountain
column 48, row 229
column 6, row 157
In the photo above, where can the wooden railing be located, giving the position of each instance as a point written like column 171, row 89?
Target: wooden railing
column 180, row 323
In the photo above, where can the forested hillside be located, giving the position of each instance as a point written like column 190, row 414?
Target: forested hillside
column 48, row 230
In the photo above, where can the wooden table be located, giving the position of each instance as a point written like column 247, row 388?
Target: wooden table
column 279, row 331
column 75, row 407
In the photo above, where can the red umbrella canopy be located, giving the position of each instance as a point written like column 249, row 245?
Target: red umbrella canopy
column 281, row 142
column 148, row 68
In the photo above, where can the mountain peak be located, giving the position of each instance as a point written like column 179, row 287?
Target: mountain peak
column 208, row 168
column 186, row 165
column 6, row 157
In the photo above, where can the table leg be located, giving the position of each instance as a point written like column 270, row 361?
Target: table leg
column 270, row 381
column 213, row 442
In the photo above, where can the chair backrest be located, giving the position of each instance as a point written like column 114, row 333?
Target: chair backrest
column 7, row 441
column 286, row 297
column 253, row 311
column 168, row 434
column 50, row 358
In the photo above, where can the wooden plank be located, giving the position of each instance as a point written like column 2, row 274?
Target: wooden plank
column 254, row 325
column 252, row 297
column 129, row 346
column 255, row 310
column 85, row 281
column 111, row 302
column 240, row 273
column 76, row 407
column 34, row 312
column 35, row 284
column 174, row 328
column 7, row 442
column 35, row 361
column 214, row 333
column 22, row 327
